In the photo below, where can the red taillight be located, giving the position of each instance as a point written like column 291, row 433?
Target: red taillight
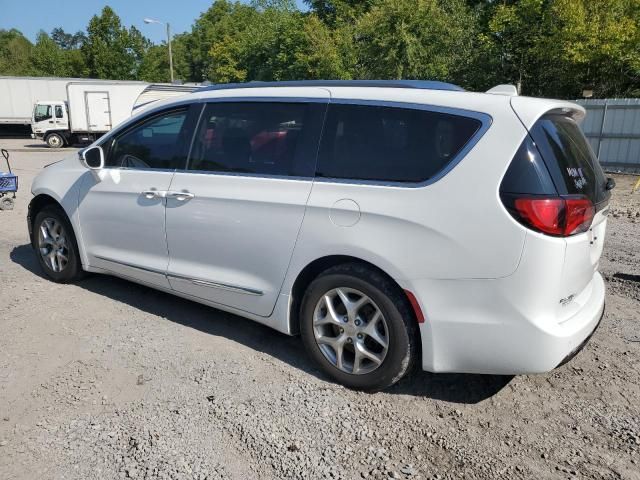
column 559, row 216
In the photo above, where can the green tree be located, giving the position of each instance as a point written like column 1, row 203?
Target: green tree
column 155, row 65
column 324, row 53
column 422, row 39
column 556, row 48
column 48, row 59
column 267, row 40
column 595, row 43
column 212, row 49
column 111, row 50
column 15, row 53
column 68, row 41
column 332, row 11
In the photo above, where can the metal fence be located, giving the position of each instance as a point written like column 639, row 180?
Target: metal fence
column 613, row 129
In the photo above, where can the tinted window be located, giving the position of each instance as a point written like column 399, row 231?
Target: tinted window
column 260, row 138
column 58, row 111
column 389, row 143
column 527, row 172
column 573, row 166
column 157, row 142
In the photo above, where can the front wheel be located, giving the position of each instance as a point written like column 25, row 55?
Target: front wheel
column 358, row 327
column 56, row 246
column 55, row 140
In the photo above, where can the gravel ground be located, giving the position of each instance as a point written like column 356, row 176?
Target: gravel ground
column 108, row 379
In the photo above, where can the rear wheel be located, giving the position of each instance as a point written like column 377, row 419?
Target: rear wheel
column 55, row 140
column 56, row 246
column 357, row 326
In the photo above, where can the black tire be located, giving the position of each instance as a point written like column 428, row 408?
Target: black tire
column 73, row 268
column 55, row 140
column 6, row 203
column 403, row 335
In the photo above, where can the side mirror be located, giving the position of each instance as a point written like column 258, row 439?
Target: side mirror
column 611, row 184
column 93, row 158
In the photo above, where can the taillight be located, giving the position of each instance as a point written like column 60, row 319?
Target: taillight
column 560, row 216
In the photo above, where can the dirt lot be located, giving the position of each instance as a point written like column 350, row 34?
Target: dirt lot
column 108, row 379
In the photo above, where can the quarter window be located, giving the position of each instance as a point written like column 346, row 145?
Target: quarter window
column 260, row 138
column 156, row 143
column 365, row 142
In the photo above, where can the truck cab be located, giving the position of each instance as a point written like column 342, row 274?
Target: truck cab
column 50, row 122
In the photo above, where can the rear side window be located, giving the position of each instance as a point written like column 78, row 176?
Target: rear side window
column 256, row 138
column 393, row 144
column 571, row 162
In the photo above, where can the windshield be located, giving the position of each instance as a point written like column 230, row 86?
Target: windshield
column 42, row 112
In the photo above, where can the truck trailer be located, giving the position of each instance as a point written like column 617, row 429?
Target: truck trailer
column 19, row 94
column 90, row 109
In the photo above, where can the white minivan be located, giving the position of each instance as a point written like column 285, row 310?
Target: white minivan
column 388, row 223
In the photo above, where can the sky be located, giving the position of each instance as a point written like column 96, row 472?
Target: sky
column 31, row 16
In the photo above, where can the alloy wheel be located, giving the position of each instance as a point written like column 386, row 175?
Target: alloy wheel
column 350, row 331
column 52, row 244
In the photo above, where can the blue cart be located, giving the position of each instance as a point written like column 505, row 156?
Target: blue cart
column 8, row 185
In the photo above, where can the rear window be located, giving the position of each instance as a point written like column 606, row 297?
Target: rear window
column 573, row 166
column 363, row 142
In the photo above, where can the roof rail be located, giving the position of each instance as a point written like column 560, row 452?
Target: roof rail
column 417, row 84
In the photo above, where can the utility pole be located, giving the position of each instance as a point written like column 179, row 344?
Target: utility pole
column 151, row 20
column 170, row 53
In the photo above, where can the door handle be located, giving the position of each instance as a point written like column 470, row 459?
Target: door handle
column 180, row 196
column 154, row 194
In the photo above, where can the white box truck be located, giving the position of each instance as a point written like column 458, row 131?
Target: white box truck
column 19, row 94
column 90, row 109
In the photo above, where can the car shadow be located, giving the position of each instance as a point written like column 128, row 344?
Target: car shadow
column 455, row 388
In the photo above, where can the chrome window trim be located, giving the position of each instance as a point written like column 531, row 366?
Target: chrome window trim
column 485, row 122
column 140, row 169
column 247, row 175
column 485, row 119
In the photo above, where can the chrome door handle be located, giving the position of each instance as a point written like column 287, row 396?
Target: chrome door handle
column 180, row 196
column 153, row 194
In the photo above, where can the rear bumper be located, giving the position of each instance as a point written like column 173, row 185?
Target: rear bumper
column 577, row 350
column 480, row 326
